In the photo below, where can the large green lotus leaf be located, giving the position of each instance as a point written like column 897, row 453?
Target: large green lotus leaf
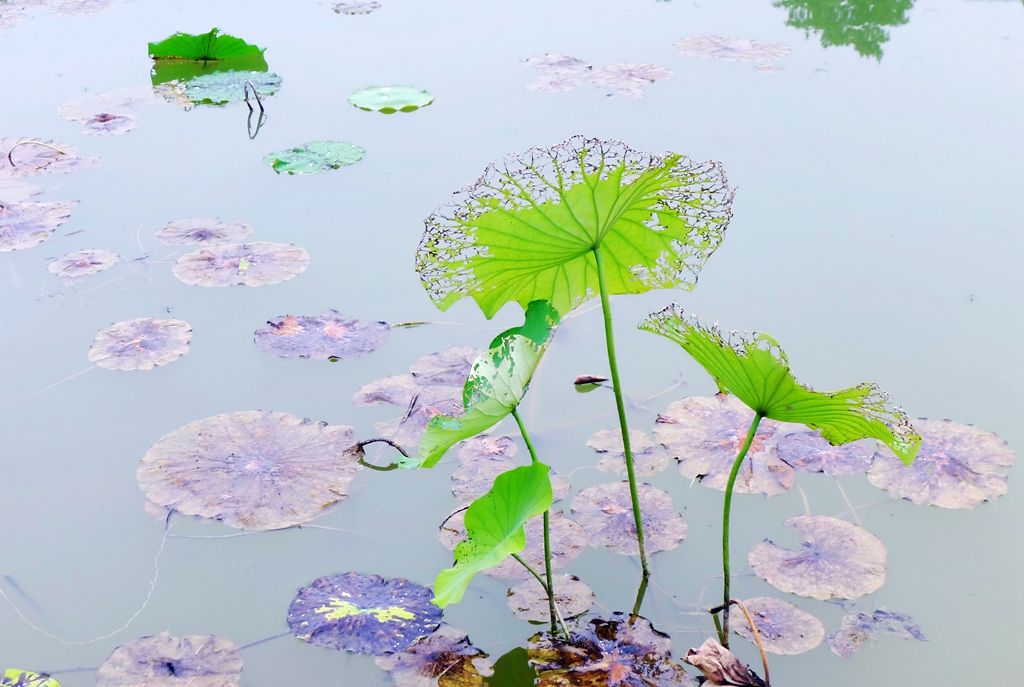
column 495, row 386
column 183, row 56
column 494, row 527
column 756, row 370
column 527, row 229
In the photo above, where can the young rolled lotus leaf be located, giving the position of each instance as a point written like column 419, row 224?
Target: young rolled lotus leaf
column 221, row 88
column 485, row 457
column 13, row 677
column 166, row 661
column 494, row 527
column 649, row 457
column 242, row 264
column 836, row 560
column 444, row 658
column 187, row 232
column 251, row 469
column 720, row 666
column 314, row 157
column 495, row 386
column 330, row 336
column 783, row 628
column 731, row 49
column 391, row 99
column 23, row 157
column 141, row 344
column 810, row 452
column 624, row 650
column 605, row 511
column 857, row 628
column 183, row 56
column 529, row 600
column 959, row 466
column 82, row 263
column 364, row 614
column 26, row 225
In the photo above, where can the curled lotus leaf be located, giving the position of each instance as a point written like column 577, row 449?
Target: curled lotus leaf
column 187, row 232
column 606, row 513
column 141, row 344
column 720, row 666
column 86, row 107
column 857, row 628
column 107, row 124
column 364, row 614
column 629, row 78
column 355, row 7
column 329, row 336
column 391, row 99
column 706, row 433
column 731, row 49
column 251, row 469
column 22, row 157
column 783, row 628
column 82, row 263
column 12, row 677
column 166, row 661
column 314, row 157
column 959, row 466
column 242, row 264
column 810, row 452
column 485, row 457
column 529, row 599
column 557, row 63
column 648, row 457
column 836, row 560
column 221, row 88
column 444, row 658
column 26, row 225
column 621, row 651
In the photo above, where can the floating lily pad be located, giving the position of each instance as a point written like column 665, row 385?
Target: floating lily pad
column 622, row 651
column 365, row 614
column 184, row 56
column 186, row 232
column 71, row 8
column 251, row 469
column 810, row 452
column 606, row 513
column 529, row 600
column 23, row 157
column 483, row 458
column 106, row 124
column 242, row 264
column 141, row 344
column 648, row 457
column 959, row 466
column 857, row 628
column 330, row 336
column 356, row 7
column 13, row 677
column 629, row 78
column 26, row 225
column 556, row 63
column 86, row 107
column 444, row 658
column 318, row 156
column 166, row 661
column 706, row 433
column 221, row 88
column 731, row 49
column 555, row 83
column 784, row 628
column 720, row 666
column 82, row 263
column 836, row 560
column 391, row 99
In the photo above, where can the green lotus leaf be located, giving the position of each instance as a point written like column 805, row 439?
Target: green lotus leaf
column 221, row 88
column 26, row 678
column 756, row 370
column 528, row 229
column 391, row 99
column 494, row 527
column 183, row 56
column 495, row 386
column 318, row 156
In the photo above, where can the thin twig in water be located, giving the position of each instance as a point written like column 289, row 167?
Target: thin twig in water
column 261, row 641
column 853, row 511
column 256, row 94
column 757, row 639
column 38, row 143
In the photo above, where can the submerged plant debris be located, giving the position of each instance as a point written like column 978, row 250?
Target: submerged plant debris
column 242, row 264
column 720, row 666
column 810, row 452
column 222, row 88
column 314, row 157
column 391, row 99
column 364, row 614
column 959, row 466
column 23, row 157
column 82, row 263
column 141, row 344
column 251, row 469
column 26, row 225
column 183, row 56
column 166, row 661
column 621, row 651
column 329, row 336
column 529, row 599
column 444, row 658
column 482, row 458
column 857, row 628
column 606, row 513
column 783, row 628
column 187, row 232
column 648, row 457
column 355, row 7
column 12, row 677
column 836, row 560
column 731, row 49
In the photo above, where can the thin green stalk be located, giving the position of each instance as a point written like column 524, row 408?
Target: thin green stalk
column 726, row 511
column 620, row 406
column 554, row 628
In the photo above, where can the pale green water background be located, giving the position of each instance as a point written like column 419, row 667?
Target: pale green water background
column 877, row 234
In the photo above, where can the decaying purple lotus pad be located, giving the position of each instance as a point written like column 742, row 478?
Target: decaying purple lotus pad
column 242, row 264
column 529, row 600
column 32, row 158
column 731, row 49
column 363, row 613
column 444, row 658
column 623, row 651
column 187, row 232
column 166, row 661
column 251, row 469
column 629, row 78
column 706, row 433
column 108, row 124
column 487, row 447
column 857, row 628
column 70, row 8
column 784, row 628
column 141, row 344
column 720, row 666
column 330, row 336
column 810, row 452
column 356, row 7
column 86, row 107
column 958, row 466
column 648, row 457
column 483, row 458
column 82, row 263
column 836, row 560
column 25, row 225
column 606, row 513
column 556, row 63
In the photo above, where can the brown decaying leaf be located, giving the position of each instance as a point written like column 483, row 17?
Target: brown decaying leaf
column 720, row 666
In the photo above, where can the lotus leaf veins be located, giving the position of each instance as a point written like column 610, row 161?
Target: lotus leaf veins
column 783, row 628
column 141, row 344
column 810, row 452
column 606, row 513
column 25, row 225
column 82, row 263
column 186, row 232
column 242, row 264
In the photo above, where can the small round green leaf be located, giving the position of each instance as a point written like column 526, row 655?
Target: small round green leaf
column 391, row 99
column 314, row 157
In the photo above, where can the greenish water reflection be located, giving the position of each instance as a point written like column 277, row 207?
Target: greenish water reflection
column 862, row 24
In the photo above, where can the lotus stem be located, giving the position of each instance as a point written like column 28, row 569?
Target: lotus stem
column 620, row 406
column 380, row 468
column 25, row 143
column 556, row 614
column 256, row 94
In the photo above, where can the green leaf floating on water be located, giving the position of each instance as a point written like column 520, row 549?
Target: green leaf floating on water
column 527, row 229
column 26, row 678
column 756, row 370
column 391, row 99
column 494, row 527
column 318, row 156
column 221, row 88
column 495, row 386
column 183, row 56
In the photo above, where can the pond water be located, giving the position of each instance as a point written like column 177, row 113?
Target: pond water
column 876, row 234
